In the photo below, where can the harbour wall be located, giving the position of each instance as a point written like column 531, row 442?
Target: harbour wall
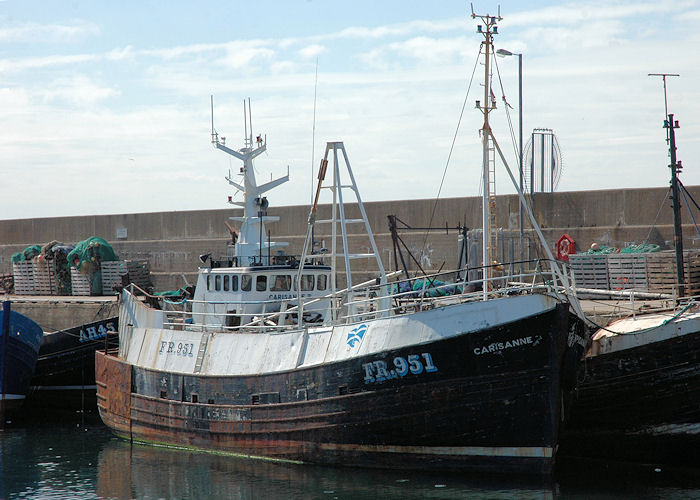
column 173, row 241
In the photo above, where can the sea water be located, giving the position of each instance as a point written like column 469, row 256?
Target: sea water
column 77, row 457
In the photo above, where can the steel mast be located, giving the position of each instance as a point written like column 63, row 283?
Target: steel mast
column 488, row 29
column 676, row 166
column 670, row 125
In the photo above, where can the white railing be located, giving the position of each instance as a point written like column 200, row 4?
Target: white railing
column 362, row 302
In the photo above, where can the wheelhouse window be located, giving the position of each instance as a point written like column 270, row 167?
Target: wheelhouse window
column 208, row 282
column 226, row 283
column 261, row 283
column 280, row 283
column 234, row 283
column 307, row 282
column 217, row 282
column 246, row 282
column 322, row 282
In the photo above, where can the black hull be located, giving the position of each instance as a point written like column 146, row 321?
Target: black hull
column 64, row 376
column 490, row 412
column 641, row 403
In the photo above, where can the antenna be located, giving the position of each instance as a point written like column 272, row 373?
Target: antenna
column 214, row 135
column 663, row 76
column 670, row 125
column 245, row 124
column 250, row 122
column 313, row 134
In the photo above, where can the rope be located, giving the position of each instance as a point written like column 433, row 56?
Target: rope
column 449, row 156
column 172, row 302
column 679, row 313
column 690, row 304
column 514, row 142
column 657, row 215
column 695, row 224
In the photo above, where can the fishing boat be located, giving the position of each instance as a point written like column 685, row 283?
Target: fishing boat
column 19, row 348
column 638, row 394
column 334, row 371
column 64, row 376
column 638, row 391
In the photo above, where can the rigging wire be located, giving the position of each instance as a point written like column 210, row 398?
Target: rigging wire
column 657, row 216
column 510, row 120
column 449, row 156
column 683, row 191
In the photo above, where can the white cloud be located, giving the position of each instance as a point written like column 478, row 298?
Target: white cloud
column 241, row 55
column 398, row 29
column 424, row 49
column 44, row 62
column 311, row 51
column 31, row 32
column 287, row 67
column 78, row 90
column 585, row 12
column 585, row 67
column 119, row 54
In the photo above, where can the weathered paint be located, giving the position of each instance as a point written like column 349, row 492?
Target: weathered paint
column 642, row 330
column 630, row 385
column 498, row 411
column 246, row 353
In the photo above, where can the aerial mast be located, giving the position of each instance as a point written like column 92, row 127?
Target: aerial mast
column 488, row 29
column 671, row 125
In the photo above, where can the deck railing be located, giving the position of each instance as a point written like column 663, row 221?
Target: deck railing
column 364, row 301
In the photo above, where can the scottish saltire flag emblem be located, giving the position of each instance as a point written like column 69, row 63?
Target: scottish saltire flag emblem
column 355, row 335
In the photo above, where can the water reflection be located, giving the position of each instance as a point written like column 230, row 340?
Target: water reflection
column 139, row 471
column 73, row 459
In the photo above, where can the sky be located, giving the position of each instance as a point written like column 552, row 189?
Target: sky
column 105, row 106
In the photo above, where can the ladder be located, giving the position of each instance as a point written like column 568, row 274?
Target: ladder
column 491, row 197
column 343, row 184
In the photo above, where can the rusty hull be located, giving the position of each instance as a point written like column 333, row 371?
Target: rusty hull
column 499, row 414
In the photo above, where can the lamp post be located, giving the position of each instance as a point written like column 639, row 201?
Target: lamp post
column 505, row 53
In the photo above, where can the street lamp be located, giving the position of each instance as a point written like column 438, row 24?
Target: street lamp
column 505, row 53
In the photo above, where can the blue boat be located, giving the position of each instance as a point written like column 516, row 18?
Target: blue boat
column 19, row 348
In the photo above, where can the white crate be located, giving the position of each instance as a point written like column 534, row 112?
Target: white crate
column 24, row 277
column 112, row 273
column 80, row 283
column 45, row 282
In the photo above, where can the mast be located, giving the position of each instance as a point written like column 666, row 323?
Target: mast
column 670, row 125
column 675, row 166
column 490, row 149
column 251, row 240
column 488, row 29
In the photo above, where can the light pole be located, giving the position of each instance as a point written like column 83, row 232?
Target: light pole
column 505, row 53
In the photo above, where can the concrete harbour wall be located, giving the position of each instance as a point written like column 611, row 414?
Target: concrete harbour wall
column 173, row 241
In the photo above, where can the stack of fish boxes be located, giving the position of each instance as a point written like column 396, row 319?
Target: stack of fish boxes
column 662, row 276
column 139, row 273
column 590, row 271
column 81, row 284
column 653, row 272
column 45, row 282
column 628, row 271
column 112, row 273
column 136, row 271
column 24, row 277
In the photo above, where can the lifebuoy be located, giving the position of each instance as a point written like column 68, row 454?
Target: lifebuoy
column 565, row 247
